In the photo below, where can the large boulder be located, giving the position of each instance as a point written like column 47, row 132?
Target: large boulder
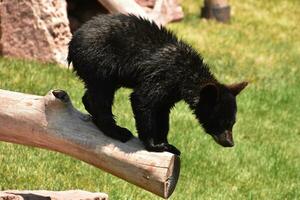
column 40, row 29
column 35, row 29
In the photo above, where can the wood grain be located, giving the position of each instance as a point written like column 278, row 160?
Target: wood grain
column 51, row 122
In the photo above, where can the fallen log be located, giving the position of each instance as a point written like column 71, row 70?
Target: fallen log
column 51, row 122
column 162, row 12
column 125, row 7
column 51, row 195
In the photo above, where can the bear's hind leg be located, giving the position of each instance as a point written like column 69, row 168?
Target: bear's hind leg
column 99, row 104
column 86, row 103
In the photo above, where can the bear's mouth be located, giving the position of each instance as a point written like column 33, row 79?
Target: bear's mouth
column 225, row 139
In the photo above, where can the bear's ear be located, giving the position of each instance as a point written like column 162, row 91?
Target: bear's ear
column 236, row 88
column 209, row 93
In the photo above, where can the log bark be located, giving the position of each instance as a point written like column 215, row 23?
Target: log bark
column 51, row 122
column 51, row 195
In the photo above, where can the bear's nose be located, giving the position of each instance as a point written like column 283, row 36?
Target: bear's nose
column 225, row 139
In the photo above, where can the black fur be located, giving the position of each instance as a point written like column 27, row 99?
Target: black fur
column 113, row 51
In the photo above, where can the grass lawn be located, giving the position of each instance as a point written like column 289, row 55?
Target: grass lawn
column 261, row 44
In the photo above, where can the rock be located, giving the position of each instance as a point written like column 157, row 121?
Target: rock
column 51, row 195
column 41, row 29
column 35, row 29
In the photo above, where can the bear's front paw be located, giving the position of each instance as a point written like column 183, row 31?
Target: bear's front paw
column 170, row 148
column 163, row 147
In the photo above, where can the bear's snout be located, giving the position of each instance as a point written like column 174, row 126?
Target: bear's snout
column 225, row 139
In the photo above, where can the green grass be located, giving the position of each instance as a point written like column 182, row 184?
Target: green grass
column 261, row 44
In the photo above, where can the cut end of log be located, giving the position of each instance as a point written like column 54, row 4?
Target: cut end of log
column 174, row 171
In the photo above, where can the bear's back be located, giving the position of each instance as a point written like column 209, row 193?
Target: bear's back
column 131, row 31
column 129, row 49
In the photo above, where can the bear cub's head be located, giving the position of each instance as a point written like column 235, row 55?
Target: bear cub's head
column 216, row 110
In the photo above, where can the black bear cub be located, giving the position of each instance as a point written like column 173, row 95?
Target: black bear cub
column 113, row 51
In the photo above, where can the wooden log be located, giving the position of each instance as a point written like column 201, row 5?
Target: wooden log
column 51, row 195
column 125, row 7
column 216, row 9
column 51, row 122
column 163, row 11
